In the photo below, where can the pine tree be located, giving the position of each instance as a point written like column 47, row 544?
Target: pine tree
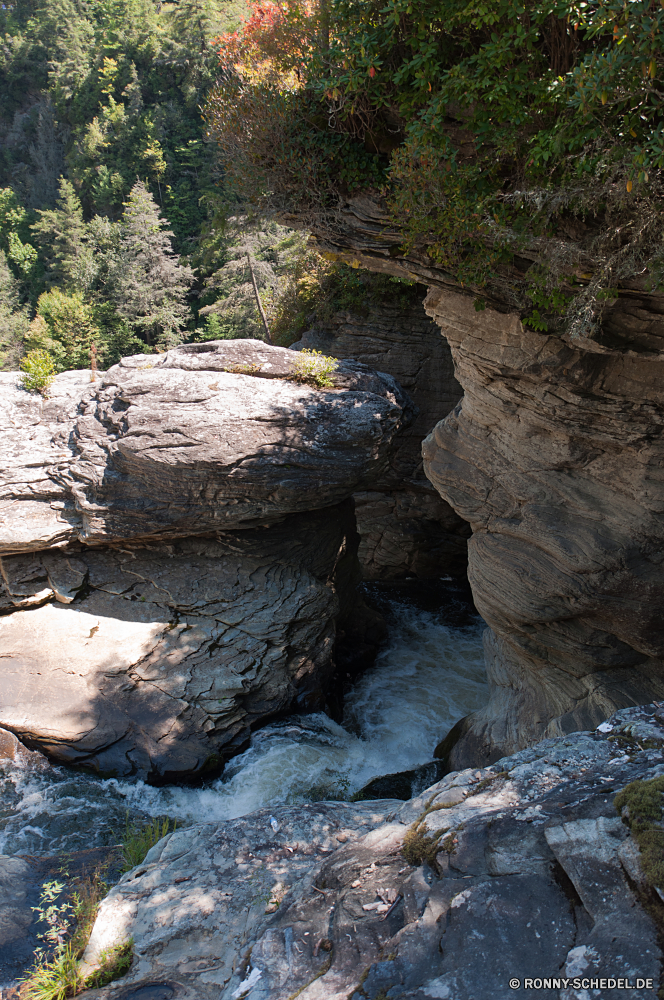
column 62, row 233
column 150, row 285
column 13, row 318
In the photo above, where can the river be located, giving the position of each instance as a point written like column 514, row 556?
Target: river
column 429, row 675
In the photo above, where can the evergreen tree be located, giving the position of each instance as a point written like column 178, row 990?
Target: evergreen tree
column 13, row 318
column 62, row 232
column 150, row 284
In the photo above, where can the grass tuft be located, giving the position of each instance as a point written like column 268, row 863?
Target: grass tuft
column 137, row 840
column 418, row 848
column 642, row 803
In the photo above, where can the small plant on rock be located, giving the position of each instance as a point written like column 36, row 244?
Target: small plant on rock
column 138, row 840
column 38, row 372
column 113, row 963
column 69, row 918
column 314, row 368
column 418, row 848
column 642, row 806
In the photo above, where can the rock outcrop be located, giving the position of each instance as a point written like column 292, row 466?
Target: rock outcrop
column 175, row 556
column 204, row 437
column 554, row 456
column 158, row 660
column 520, row 871
column 406, row 528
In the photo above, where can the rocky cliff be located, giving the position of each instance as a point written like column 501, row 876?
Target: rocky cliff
column 179, row 551
column 554, row 457
column 406, row 529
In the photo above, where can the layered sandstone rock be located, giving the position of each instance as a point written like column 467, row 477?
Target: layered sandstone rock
column 178, row 553
column 555, row 458
column 206, row 436
column 406, row 528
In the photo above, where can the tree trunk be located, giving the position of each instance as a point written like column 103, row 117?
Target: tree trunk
column 268, row 338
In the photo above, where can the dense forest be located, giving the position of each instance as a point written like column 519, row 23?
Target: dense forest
column 517, row 145
column 117, row 234
column 149, row 150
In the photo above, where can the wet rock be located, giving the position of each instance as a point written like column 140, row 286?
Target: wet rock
column 158, row 660
column 405, row 526
column 553, row 457
column 202, row 893
column 525, row 881
column 16, row 916
column 403, row 784
column 205, row 437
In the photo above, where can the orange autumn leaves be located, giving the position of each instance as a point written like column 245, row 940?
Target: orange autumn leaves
column 273, row 43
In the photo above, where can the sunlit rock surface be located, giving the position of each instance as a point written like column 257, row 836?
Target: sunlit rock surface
column 555, row 458
column 207, row 436
column 221, row 486
column 159, row 659
column 406, row 528
column 529, row 881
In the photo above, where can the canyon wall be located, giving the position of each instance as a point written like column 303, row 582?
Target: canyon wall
column 406, row 528
column 554, row 456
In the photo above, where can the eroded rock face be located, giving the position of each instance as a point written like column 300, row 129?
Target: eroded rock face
column 554, row 456
column 205, row 437
column 179, row 553
column 532, row 877
column 157, row 660
column 406, row 528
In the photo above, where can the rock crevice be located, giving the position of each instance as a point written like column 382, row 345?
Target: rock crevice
column 191, row 576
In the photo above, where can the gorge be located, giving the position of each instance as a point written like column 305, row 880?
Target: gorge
column 331, row 663
column 147, row 570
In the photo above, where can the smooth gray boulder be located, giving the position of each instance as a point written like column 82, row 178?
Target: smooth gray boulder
column 204, row 437
column 158, row 659
column 526, row 880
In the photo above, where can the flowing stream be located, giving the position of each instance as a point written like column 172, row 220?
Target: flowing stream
column 429, row 675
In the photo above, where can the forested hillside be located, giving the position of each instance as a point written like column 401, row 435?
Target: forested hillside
column 113, row 231
column 517, row 147
column 102, row 155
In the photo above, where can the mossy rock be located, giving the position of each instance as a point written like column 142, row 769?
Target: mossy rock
column 641, row 804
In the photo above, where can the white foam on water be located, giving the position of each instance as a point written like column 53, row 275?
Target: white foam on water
column 429, row 676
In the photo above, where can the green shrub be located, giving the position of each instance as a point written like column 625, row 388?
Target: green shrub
column 314, row 368
column 38, row 371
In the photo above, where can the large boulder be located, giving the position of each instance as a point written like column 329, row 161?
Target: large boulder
column 555, row 458
column 207, row 436
column 158, row 659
